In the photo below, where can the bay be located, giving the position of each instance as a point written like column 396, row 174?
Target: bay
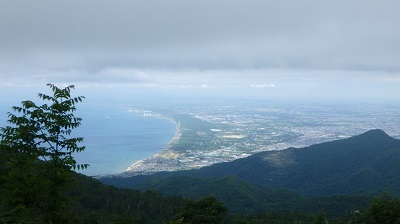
column 116, row 138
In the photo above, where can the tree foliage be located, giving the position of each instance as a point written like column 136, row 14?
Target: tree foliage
column 37, row 158
column 206, row 210
column 383, row 209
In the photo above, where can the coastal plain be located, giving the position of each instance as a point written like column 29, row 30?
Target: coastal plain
column 224, row 132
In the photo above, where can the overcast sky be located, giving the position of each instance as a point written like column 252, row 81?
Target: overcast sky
column 312, row 48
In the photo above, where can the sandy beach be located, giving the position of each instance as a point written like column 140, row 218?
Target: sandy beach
column 164, row 153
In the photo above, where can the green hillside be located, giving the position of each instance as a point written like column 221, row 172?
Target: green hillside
column 362, row 166
column 170, row 197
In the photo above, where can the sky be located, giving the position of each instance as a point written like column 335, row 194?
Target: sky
column 303, row 49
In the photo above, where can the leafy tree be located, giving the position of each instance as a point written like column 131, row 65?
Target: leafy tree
column 37, row 158
column 383, row 210
column 206, row 210
column 320, row 218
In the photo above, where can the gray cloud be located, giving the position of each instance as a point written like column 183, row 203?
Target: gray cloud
column 195, row 43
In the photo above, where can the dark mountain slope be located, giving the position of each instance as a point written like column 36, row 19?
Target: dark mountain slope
column 243, row 197
column 100, row 203
column 360, row 164
column 239, row 194
column 366, row 163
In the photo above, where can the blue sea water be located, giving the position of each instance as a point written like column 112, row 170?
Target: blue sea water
column 115, row 138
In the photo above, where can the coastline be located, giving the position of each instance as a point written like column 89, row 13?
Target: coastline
column 117, row 136
column 164, row 153
column 178, row 133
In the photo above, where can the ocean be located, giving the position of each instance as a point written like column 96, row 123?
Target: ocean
column 116, row 138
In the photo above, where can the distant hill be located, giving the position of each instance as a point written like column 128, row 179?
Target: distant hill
column 366, row 164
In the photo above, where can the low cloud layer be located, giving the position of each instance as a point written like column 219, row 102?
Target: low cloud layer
column 259, row 44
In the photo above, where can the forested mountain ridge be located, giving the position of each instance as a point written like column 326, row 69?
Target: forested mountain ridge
column 108, row 204
column 365, row 164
